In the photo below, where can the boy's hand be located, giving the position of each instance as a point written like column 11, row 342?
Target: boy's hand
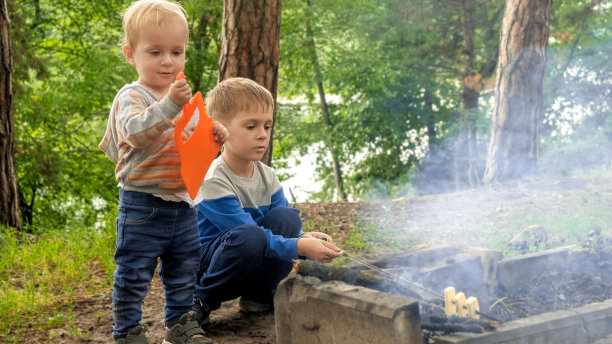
column 317, row 235
column 180, row 92
column 220, row 132
column 316, row 249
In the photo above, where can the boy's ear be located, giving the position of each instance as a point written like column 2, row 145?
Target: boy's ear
column 129, row 54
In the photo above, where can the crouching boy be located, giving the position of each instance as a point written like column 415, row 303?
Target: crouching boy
column 248, row 232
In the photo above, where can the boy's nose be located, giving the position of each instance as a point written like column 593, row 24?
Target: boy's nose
column 263, row 133
column 167, row 59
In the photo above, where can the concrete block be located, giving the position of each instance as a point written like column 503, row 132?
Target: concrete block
column 562, row 327
column 597, row 319
column 512, row 272
column 464, row 272
column 490, row 259
column 308, row 310
column 583, row 325
column 428, row 256
column 607, row 340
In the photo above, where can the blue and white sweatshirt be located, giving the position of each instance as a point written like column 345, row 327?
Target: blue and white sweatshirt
column 231, row 201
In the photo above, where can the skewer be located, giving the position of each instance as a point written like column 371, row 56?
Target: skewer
column 412, row 284
column 388, row 274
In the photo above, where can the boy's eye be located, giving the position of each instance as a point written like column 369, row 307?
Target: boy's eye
column 154, row 52
column 267, row 127
column 250, row 127
column 177, row 52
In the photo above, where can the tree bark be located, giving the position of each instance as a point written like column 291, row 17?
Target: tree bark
column 466, row 151
column 324, row 108
column 513, row 150
column 9, row 200
column 430, row 119
column 250, row 46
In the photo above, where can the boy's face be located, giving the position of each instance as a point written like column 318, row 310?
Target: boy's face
column 249, row 136
column 159, row 54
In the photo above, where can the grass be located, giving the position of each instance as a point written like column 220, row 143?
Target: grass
column 581, row 213
column 41, row 275
column 365, row 239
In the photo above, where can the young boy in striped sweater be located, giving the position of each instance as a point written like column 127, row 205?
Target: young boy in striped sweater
column 157, row 219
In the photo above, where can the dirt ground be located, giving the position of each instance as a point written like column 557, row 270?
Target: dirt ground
column 433, row 219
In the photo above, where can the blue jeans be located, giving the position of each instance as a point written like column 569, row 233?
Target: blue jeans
column 149, row 228
column 237, row 263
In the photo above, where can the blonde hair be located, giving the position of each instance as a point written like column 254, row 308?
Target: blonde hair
column 236, row 94
column 143, row 12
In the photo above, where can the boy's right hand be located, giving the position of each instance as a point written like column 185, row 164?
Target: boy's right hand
column 316, row 249
column 180, row 92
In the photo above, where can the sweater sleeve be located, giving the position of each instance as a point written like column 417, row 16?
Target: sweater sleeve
column 140, row 125
column 220, row 214
column 279, row 200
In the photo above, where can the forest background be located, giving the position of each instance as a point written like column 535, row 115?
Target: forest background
column 386, row 99
column 393, row 73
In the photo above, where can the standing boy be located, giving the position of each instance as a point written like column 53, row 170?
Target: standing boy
column 249, row 234
column 156, row 216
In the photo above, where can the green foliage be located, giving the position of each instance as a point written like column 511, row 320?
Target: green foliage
column 205, row 19
column 391, row 72
column 61, row 105
column 579, row 79
column 589, row 149
column 68, row 71
column 43, row 274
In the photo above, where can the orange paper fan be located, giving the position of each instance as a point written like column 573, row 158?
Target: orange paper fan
column 200, row 149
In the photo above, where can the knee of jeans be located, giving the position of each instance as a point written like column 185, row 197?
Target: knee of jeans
column 287, row 218
column 253, row 240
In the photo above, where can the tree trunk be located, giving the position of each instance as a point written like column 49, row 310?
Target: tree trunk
column 513, row 150
column 250, row 46
column 9, row 200
column 466, row 151
column 324, row 108
column 430, row 119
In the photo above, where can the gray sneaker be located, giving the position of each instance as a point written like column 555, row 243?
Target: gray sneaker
column 135, row 336
column 187, row 330
column 251, row 307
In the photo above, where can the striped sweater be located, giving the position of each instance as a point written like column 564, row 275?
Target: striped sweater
column 139, row 138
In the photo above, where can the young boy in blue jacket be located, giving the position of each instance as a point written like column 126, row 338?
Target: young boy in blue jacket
column 248, row 232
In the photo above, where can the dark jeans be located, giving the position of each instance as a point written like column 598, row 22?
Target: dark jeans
column 149, row 228
column 237, row 263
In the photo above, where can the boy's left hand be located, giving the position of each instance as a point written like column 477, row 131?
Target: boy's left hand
column 220, row 132
column 317, row 235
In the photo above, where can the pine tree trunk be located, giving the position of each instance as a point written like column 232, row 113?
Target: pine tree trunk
column 9, row 200
column 466, row 152
column 250, row 46
column 513, row 150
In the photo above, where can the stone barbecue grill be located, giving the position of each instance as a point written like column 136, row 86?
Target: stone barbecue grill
column 334, row 306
